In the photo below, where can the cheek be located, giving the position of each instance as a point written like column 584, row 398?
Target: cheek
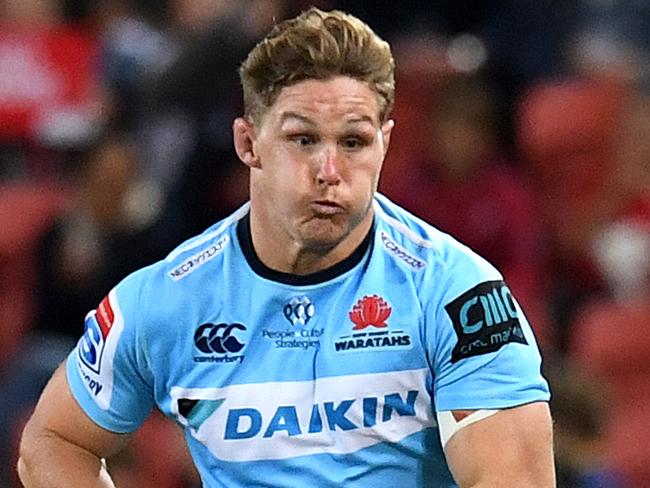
column 285, row 184
column 365, row 175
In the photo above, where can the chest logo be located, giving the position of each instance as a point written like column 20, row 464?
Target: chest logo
column 299, row 310
column 219, row 343
column 370, row 311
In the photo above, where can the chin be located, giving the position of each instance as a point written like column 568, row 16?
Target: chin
column 323, row 234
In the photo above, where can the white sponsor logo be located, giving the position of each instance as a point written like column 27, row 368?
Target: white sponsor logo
column 401, row 253
column 199, row 259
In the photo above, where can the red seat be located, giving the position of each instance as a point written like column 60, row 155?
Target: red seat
column 156, row 457
column 568, row 132
column 611, row 341
column 26, row 210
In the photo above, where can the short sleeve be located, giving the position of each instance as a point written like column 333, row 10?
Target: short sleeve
column 484, row 354
column 108, row 370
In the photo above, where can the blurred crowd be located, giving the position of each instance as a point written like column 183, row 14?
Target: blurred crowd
column 522, row 128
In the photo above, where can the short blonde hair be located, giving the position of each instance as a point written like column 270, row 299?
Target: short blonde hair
column 317, row 45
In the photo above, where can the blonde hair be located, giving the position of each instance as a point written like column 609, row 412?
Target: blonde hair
column 317, row 45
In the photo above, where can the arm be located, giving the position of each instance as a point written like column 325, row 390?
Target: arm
column 510, row 448
column 61, row 446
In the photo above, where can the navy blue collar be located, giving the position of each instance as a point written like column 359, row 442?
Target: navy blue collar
column 246, row 244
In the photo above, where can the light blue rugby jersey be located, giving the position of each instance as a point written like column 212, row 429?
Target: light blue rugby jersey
column 321, row 380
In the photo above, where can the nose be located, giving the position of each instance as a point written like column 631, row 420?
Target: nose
column 329, row 171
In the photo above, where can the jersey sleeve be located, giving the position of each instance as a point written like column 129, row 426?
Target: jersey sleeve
column 482, row 349
column 108, row 371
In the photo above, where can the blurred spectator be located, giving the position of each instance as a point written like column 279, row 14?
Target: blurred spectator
column 612, row 38
column 580, row 409
column 201, row 90
column 137, row 45
column 27, row 210
column 610, row 340
column 586, row 140
column 93, row 245
column 49, row 87
column 608, row 335
column 90, row 247
column 468, row 187
column 621, row 246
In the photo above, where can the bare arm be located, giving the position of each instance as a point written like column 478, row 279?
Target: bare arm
column 61, row 446
column 513, row 448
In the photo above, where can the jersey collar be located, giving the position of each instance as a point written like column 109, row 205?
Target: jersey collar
column 246, row 244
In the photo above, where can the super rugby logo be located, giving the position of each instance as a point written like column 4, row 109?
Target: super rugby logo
column 218, row 340
column 372, row 311
column 97, row 326
column 96, row 349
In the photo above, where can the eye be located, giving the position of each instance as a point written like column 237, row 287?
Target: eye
column 303, row 140
column 353, row 143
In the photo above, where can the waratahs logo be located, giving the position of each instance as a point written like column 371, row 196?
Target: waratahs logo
column 372, row 311
column 216, row 341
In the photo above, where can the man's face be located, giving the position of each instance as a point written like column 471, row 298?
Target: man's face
column 315, row 160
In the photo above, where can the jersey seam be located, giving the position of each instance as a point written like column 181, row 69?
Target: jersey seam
column 199, row 240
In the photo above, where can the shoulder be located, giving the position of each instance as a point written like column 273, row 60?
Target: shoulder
column 426, row 248
column 194, row 253
column 157, row 286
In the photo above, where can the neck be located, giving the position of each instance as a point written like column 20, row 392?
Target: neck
column 280, row 251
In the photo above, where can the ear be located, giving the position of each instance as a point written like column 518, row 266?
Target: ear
column 386, row 131
column 243, row 133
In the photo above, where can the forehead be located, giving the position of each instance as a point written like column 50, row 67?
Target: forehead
column 341, row 99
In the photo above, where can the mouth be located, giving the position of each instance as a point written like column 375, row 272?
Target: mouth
column 326, row 207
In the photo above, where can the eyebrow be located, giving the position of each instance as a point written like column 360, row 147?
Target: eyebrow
column 286, row 116
column 361, row 119
column 294, row 115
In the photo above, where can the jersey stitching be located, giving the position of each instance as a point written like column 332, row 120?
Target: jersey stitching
column 402, row 228
column 243, row 210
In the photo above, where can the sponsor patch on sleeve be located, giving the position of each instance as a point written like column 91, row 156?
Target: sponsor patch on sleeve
column 485, row 318
column 96, row 349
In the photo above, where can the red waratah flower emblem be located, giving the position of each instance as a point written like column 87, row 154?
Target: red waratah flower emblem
column 370, row 310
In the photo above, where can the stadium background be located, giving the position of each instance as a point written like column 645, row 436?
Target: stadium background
column 523, row 128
